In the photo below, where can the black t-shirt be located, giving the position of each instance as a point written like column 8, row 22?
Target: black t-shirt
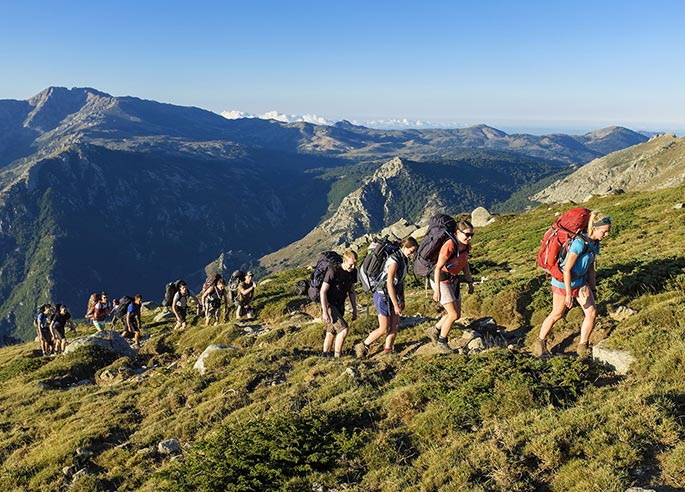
column 341, row 283
column 60, row 319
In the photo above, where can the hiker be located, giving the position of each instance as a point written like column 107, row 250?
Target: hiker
column 338, row 284
column 101, row 310
column 452, row 260
column 179, row 305
column 60, row 320
column 212, row 299
column 245, row 294
column 43, row 329
column 133, row 321
column 389, row 298
column 579, row 283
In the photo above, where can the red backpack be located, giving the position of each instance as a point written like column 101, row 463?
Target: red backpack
column 558, row 238
column 92, row 301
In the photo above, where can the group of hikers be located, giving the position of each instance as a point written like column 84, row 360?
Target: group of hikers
column 568, row 251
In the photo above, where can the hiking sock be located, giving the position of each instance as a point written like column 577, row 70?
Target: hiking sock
column 337, row 354
column 442, row 339
column 325, row 354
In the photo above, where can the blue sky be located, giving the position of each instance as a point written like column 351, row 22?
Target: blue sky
column 567, row 66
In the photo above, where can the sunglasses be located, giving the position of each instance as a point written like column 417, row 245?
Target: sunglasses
column 467, row 234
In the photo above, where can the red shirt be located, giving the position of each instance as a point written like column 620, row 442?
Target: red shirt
column 453, row 264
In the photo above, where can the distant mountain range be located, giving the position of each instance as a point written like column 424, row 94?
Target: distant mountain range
column 124, row 194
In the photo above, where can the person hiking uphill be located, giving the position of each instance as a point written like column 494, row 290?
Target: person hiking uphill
column 579, row 283
column 338, row 284
column 179, row 305
column 212, row 299
column 389, row 298
column 60, row 320
column 245, row 295
column 133, row 321
column 43, row 329
column 452, row 260
column 101, row 310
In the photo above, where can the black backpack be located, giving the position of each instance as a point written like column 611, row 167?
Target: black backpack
column 170, row 291
column 371, row 269
column 326, row 260
column 122, row 308
column 440, row 228
column 237, row 277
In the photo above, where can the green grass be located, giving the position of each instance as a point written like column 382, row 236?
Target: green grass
column 271, row 414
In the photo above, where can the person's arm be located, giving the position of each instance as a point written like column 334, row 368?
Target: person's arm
column 592, row 280
column 324, row 302
column 173, row 308
column 390, row 287
column 571, row 259
column 469, row 278
column 442, row 260
column 52, row 328
column 128, row 321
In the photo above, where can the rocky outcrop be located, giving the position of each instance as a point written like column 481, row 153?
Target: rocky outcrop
column 619, row 360
column 110, row 340
column 480, row 217
column 200, row 364
column 658, row 163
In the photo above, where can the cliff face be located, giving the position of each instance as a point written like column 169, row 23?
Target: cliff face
column 656, row 164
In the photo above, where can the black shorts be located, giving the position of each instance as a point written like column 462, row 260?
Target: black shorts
column 58, row 329
column 182, row 313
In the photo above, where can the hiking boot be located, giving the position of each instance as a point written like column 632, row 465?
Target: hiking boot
column 540, row 348
column 443, row 348
column 360, row 350
column 583, row 349
column 433, row 333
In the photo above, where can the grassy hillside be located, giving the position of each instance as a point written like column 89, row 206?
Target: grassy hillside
column 271, row 414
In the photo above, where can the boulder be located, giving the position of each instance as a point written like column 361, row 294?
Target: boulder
column 476, row 344
column 617, row 359
column 678, row 206
column 164, row 315
column 621, row 313
column 148, row 306
column 169, row 446
column 200, row 364
column 108, row 339
column 480, row 217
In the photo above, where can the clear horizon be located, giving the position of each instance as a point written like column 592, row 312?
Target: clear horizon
column 527, row 66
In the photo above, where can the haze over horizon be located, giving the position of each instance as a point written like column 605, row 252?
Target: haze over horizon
column 529, row 66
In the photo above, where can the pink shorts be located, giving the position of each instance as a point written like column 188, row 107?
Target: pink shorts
column 562, row 292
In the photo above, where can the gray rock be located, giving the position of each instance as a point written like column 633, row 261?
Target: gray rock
column 107, row 339
column 84, row 453
column 476, row 344
column 639, row 489
column 169, row 446
column 619, row 360
column 69, row 471
column 468, row 334
column 480, row 217
column 164, row 315
column 81, row 473
column 200, row 364
column 621, row 313
column 678, row 206
column 351, row 372
column 148, row 306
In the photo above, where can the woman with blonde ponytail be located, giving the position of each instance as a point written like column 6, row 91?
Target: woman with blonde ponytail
column 579, row 283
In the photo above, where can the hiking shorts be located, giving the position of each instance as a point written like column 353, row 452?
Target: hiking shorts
column 182, row 313
column 383, row 304
column 449, row 291
column 582, row 294
column 45, row 334
column 59, row 332
column 338, row 323
column 99, row 324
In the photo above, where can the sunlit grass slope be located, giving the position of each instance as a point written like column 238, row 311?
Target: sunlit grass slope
column 270, row 414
